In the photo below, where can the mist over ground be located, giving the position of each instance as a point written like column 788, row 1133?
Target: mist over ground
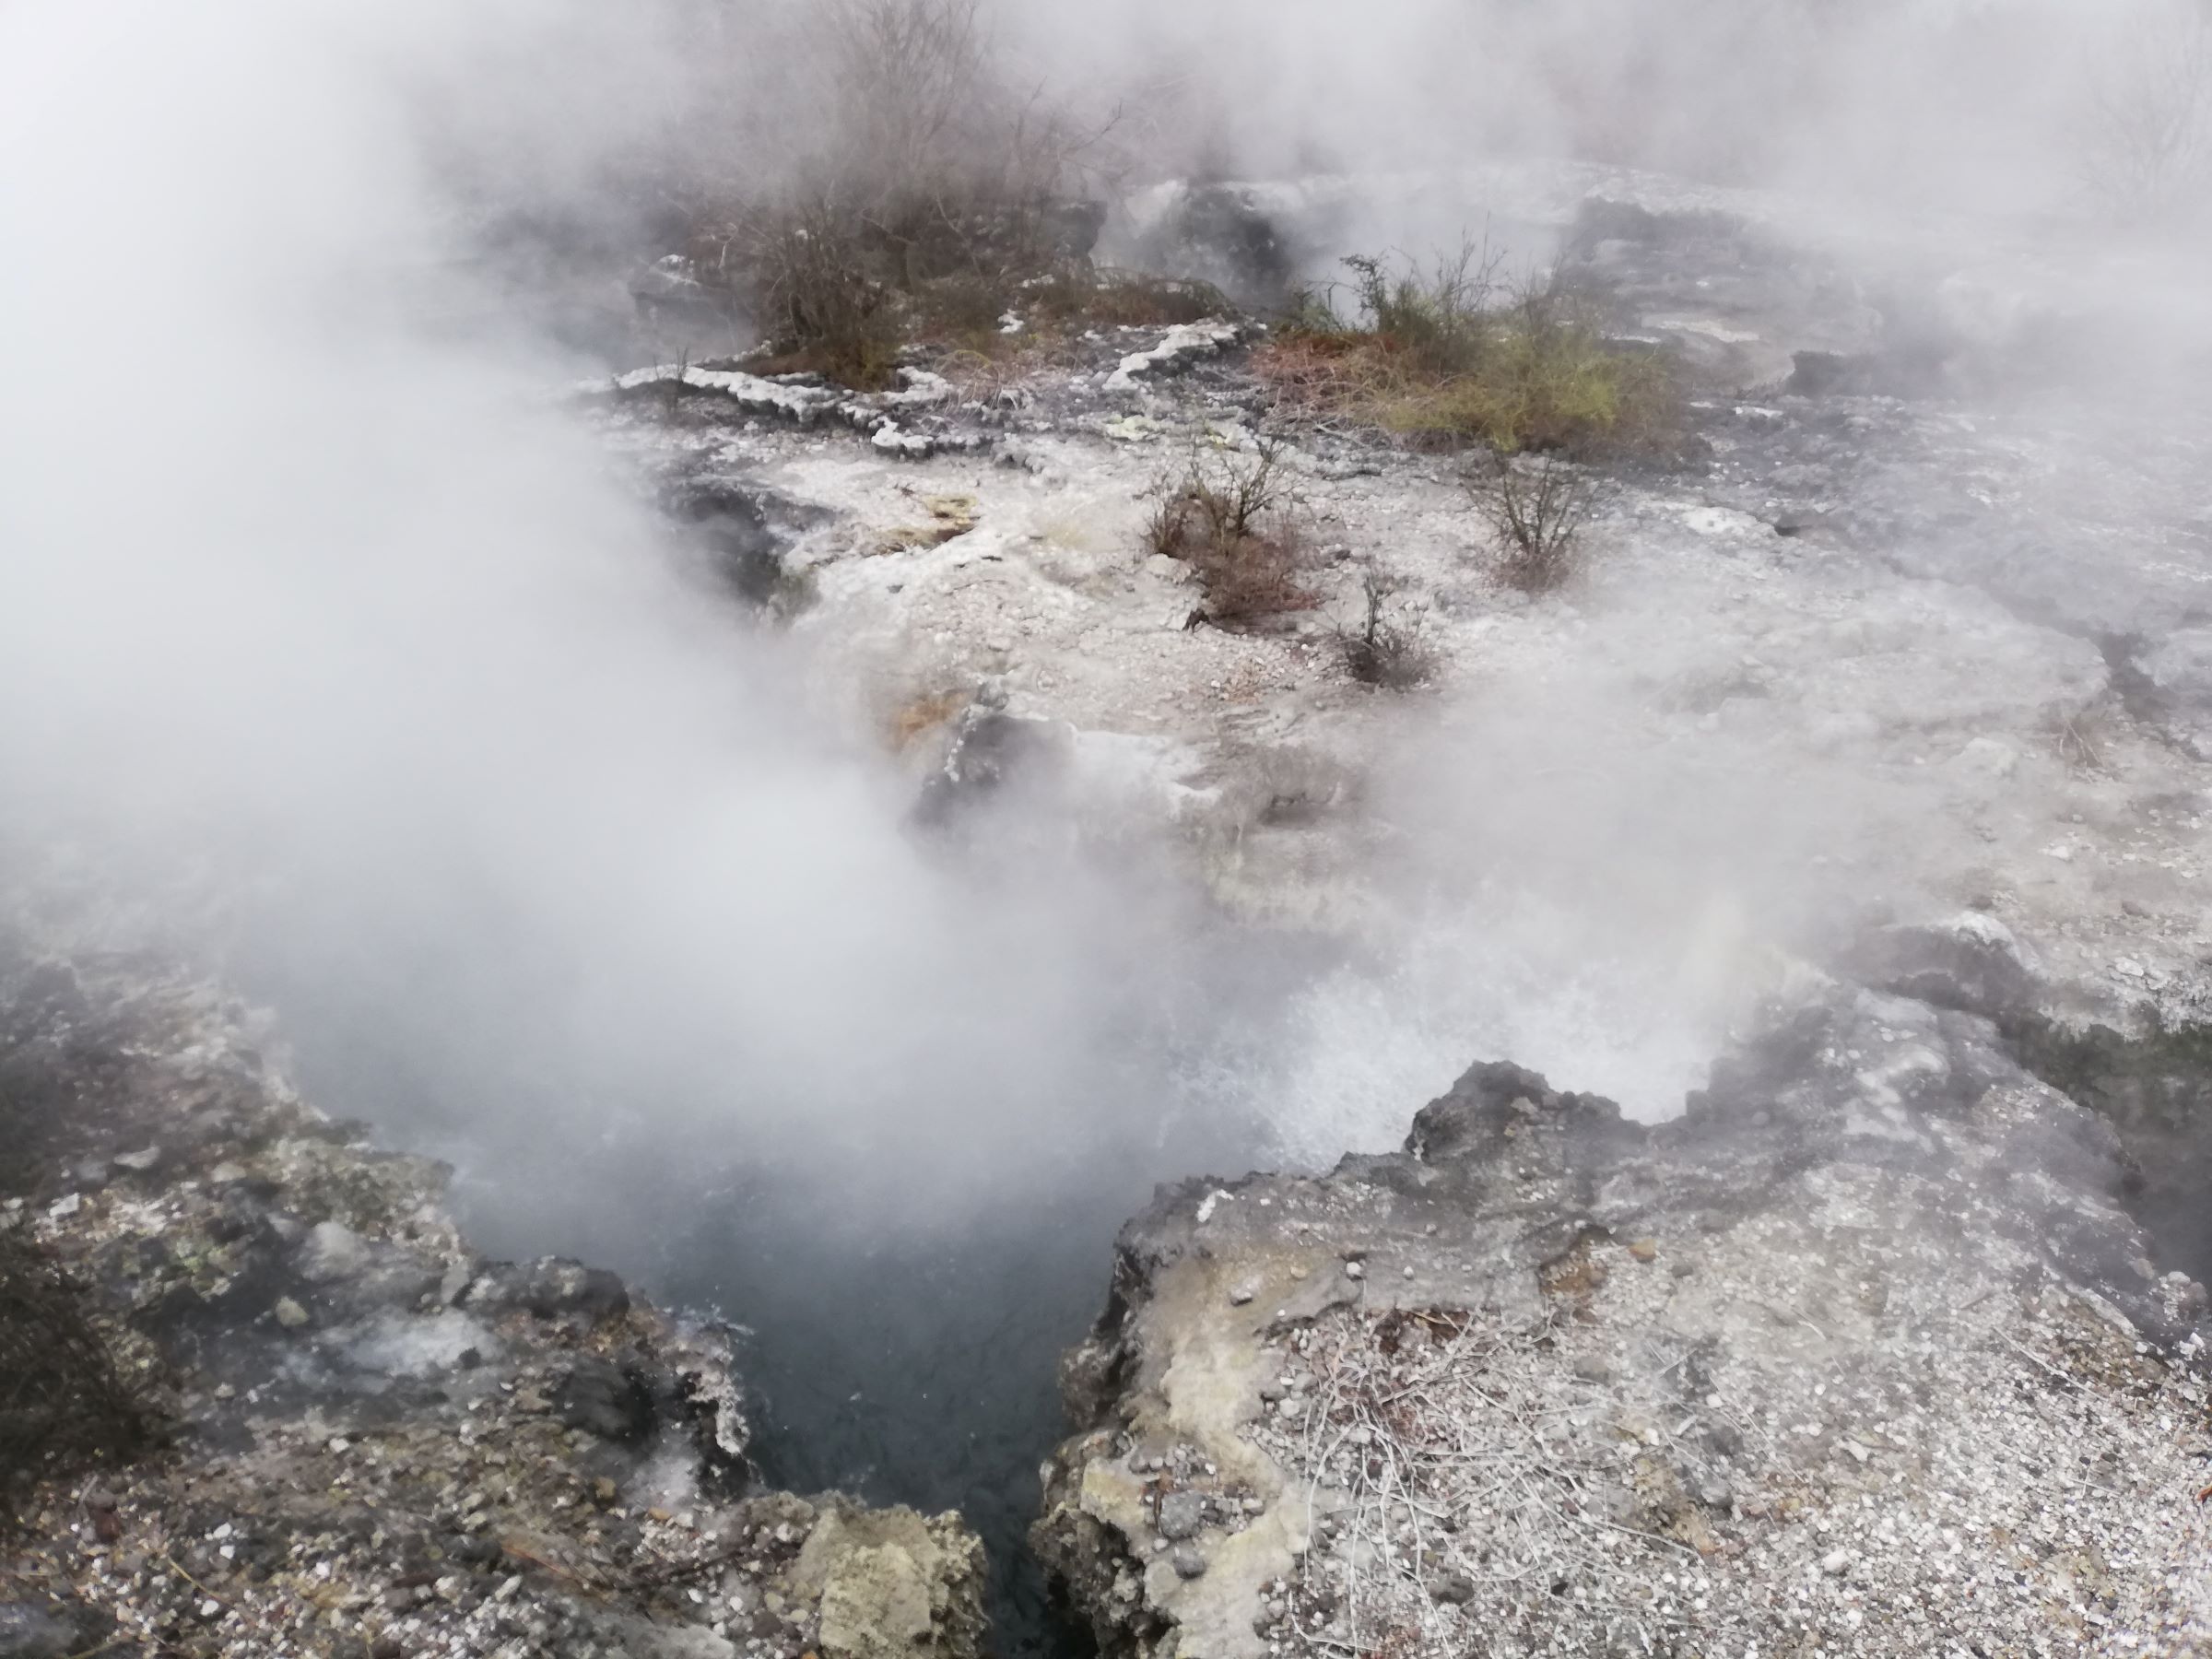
column 343, row 653
column 321, row 621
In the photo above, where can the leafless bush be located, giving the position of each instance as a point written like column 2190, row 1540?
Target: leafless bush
column 65, row 1402
column 936, row 190
column 939, row 151
column 1229, row 519
column 2146, row 132
column 815, row 293
column 1536, row 507
column 2080, row 737
column 1388, row 654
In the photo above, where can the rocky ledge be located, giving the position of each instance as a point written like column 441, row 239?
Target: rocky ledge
column 1861, row 1355
column 368, row 1440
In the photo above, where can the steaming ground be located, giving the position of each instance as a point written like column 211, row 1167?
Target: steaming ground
column 327, row 637
column 905, row 1306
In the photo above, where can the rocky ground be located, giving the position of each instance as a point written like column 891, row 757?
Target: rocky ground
column 376, row 1442
column 1860, row 1356
column 1870, row 576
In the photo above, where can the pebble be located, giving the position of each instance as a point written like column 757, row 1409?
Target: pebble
column 141, row 1162
column 1836, row 1562
column 290, row 1313
column 1181, row 1515
column 1188, row 1563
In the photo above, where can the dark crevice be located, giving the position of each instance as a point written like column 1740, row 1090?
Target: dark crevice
column 2156, row 1092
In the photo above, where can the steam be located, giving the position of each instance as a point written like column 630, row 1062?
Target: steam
column 1962, row 104
column 314, row 601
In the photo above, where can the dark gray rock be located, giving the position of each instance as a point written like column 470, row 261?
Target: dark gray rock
column 1972, row 964
column 551, row 1288
column 31, row 1631
column 354, row 1276
column 1181, row 1515
column 602, row 1398
column 992, row 754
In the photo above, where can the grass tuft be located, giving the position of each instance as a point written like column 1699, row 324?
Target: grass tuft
column 1454, row 357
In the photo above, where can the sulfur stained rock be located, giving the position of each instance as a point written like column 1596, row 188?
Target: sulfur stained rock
column 892, row 1584
column 1910, row 1253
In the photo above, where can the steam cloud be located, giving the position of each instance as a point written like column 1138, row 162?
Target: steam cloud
column 312, row 595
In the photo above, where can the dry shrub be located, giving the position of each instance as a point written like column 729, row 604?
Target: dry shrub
column 1231, row 521
column 1380, row 653
column 65, row 1404
column 943, row 158
column 1454, row 356
column 2080, row 737
column 820, row 306
column 935, row 193
column 2146, row 126
column 1536, row 507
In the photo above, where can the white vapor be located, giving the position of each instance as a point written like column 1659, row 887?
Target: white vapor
column 309, row 592
column 310, row 598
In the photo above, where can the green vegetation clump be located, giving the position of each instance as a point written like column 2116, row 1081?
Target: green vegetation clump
column 1452, row 357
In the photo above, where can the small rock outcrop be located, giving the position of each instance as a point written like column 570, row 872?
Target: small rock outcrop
column 1861, row 1355
column 897, row 423
column 891, row 1584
